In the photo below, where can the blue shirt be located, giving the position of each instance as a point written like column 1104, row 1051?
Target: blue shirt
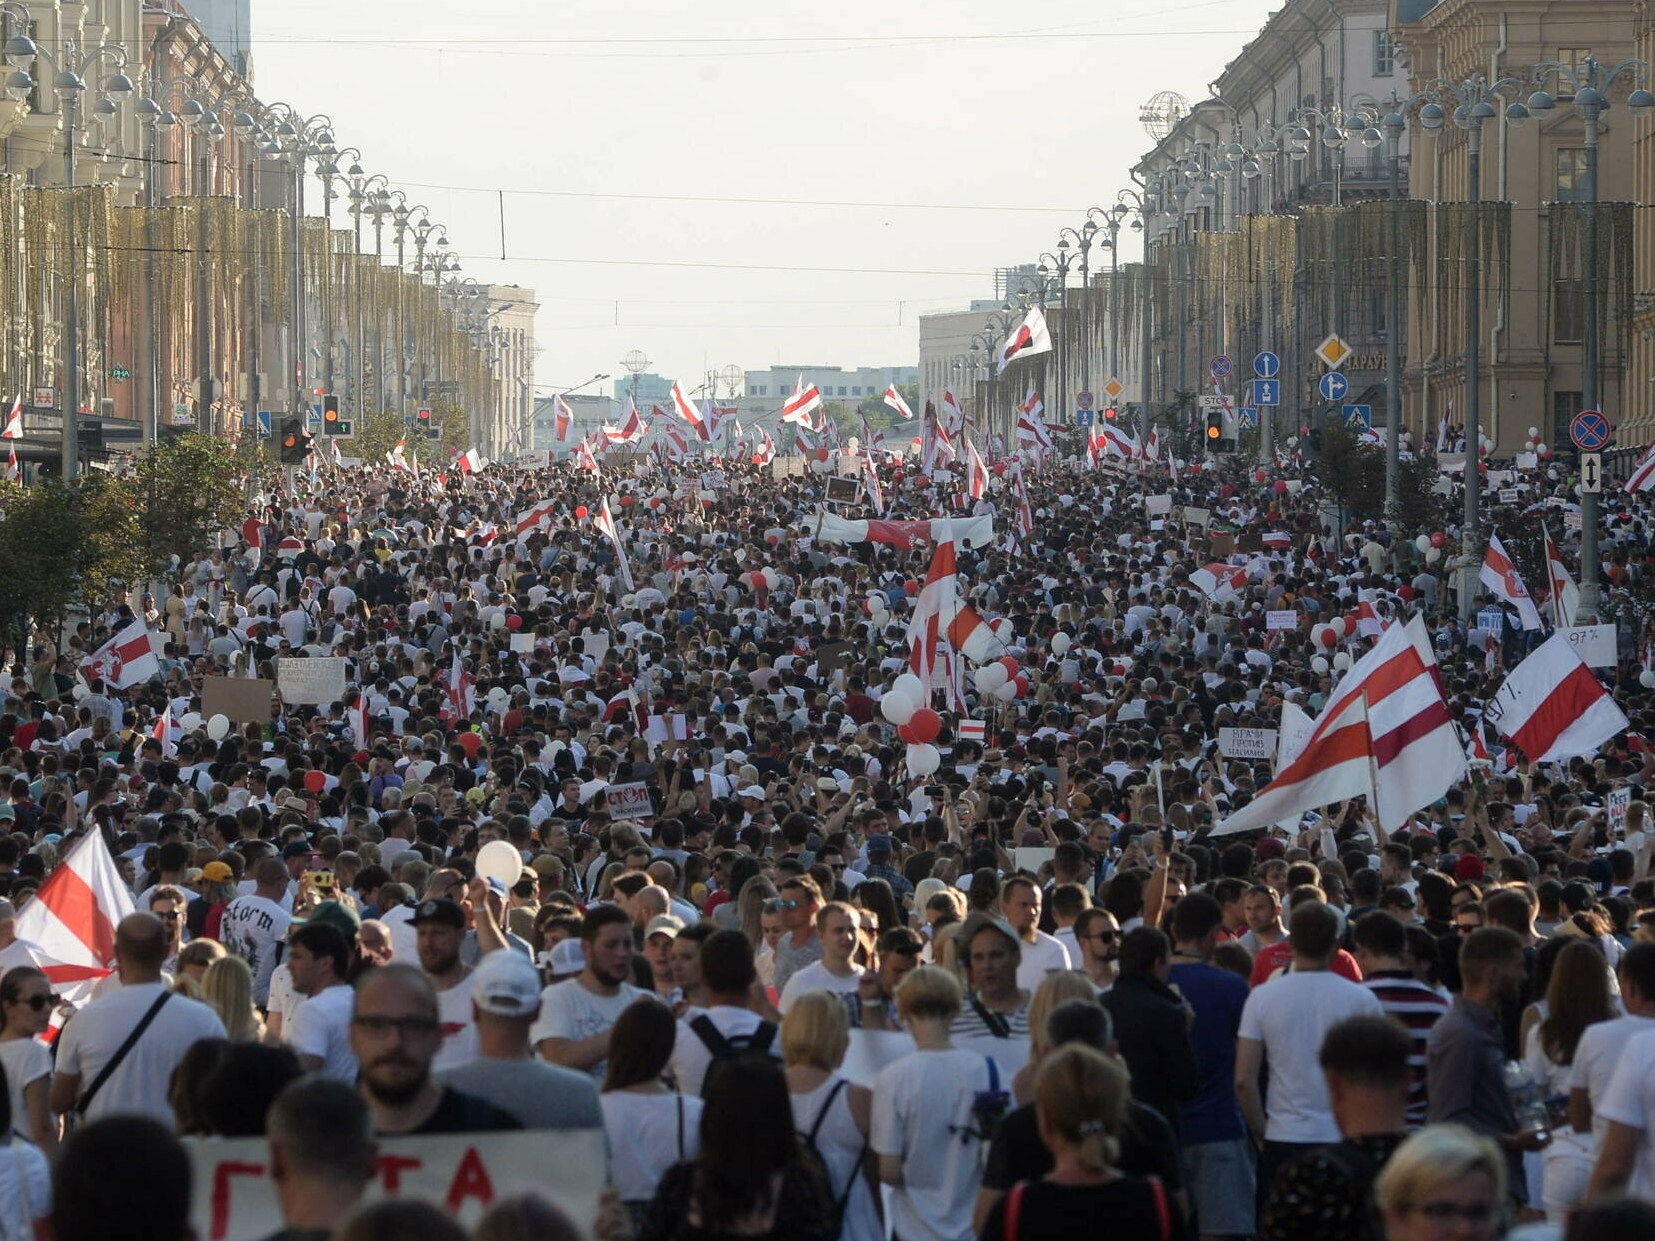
column 1218, row 997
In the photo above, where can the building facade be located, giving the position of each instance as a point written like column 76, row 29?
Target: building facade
column 513, row 352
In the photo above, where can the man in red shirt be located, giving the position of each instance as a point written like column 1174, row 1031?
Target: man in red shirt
column 1280, row 954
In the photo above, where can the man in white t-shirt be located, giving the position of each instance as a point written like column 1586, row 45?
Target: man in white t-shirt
column 836, row 924
column 728, row 1024
column 440, row 926
column 1040, row 952
column 255, row 926
column 578, row 1016
column 138, row 1083
column 1287, row 1028
column 319, row 957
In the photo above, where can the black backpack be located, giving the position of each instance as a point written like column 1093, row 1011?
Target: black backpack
column 725, row 1048
column 841, row 1201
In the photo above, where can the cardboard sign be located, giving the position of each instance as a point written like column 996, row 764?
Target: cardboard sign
column 241, row 700
column 1288, row 619
column 1157, row 506
column 843, row 490
column 595, row 643
column 630, row 801
column 1031, row 858
column 522, row 643
column 234, row 1198
column 871, row 1050
column 1196, row 516
column 1491, row 620
column 1248, row 743
column 663, row 728
column 1619, row 802
column 1595, row 644
column 311, row 682
column 1509, row 495
column 831, row 656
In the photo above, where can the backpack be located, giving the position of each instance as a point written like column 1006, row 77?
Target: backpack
column 841, row 1201
column 725, row 1048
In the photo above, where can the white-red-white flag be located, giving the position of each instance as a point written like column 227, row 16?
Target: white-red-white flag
column 583, row 459
column 563, row 420
column 125, row 660
column 1117, row 441
column 893, row 398
column 1027, row 338
column 1337, row 763
column 462, row 691
column 72, row 919
column 1561, row 588
column 876, row 497
column 976, row 476
column 1642, row 477
column 605, row 523
column 1222, row 583
column 632, row 428
column 470, row 461
column 1152, row 445
column 764, row 452
column 953, row 413
column 799, row 407
column 1552, row 705
column 1025, row 513
column 14, row 470
column 356, row 715
column 14, row 421
column 532, row 519
column 1031, row 428
column 164, row 732
column 1369, row 624
column 688, row 411
column 1500, row 575
column 397, row 458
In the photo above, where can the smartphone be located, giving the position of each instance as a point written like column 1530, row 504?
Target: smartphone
column 322, row 880
column 1166, row 838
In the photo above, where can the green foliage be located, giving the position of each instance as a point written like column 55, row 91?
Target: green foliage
column 188, row 487
column 63, row 544
column 1354, row 475
column 377, row 432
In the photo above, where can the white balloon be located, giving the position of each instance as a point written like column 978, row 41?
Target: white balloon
column 189, row 721
column 497, row 621
column 1006, row 692
column 1341, row 661
column 771, row 579
column 912, row 686
column 923, row 760
column 1316, row 634
column 897, row 707
column 1060, row 644
column 1423, row 542
column 80, row 691
column 218, row 727
column 989, row 677
column 1534, row 433
column 1319, row 665
column 499, row 859
column 1646, row 678
column 1433, row 555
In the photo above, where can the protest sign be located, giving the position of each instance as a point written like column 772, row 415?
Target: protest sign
column 1619, row 802
column 311, row 682
column 1253, row 743
column 522, row 643
column 234, row 1196
column 630, row 801
column 1595, row 644
column 1031, row 858
column 667, row 728
column 241, row 700
column 1287, row 619
column 1157, row 506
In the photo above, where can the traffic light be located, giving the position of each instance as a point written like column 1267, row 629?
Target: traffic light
column 1110, row 413
column 294, row 444
column 1215, row 428
column 331, row 423
column 424, row 421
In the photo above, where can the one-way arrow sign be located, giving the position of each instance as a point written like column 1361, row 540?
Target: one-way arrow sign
column 1591, row 473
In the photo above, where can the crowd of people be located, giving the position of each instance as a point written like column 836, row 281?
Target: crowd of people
column 804, row 986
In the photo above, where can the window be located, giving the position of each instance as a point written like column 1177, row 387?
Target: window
column 1565, row 405
column 1384, row 54
column 1571, row 175
column 841, row 389
column 1569, row 311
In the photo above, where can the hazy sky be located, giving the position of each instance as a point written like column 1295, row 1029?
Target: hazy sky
column 626, row 133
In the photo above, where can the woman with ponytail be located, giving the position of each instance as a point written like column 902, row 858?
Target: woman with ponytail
column 1080, row 1102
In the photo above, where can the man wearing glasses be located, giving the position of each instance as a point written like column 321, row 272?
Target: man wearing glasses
column 1099, row 936
column 395, row 1034
column 800, row 945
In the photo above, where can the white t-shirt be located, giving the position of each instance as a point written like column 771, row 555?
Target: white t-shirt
column 691, row 1057
column 920, row 1103
column 404, row 938
column 321, row 1027
column 25, row 1060
column 25, row 1189
column 459, row 1027
column 283, row 998
column 1597, row 1056
column 644, row 1134
column 1630, row 1101
column 817, row 977
column 255, row 928
column 139, row 1084
column 1291, row 1022
column 568, row 1010
column 1039, row 959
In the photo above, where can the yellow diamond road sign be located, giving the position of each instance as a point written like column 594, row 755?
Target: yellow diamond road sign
column 1333, row 350
column 1113, row 388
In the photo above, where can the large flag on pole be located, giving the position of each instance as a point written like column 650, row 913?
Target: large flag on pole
column 1027, row 338
column 1552, row 705
column 976, row 474
column 605, row 522
column 563, row 420
column 462, row 690
column 799, row 407
column 14, row 421
column 125, row 660
column 893, row 398
column 1564, row 594
column 1336, row 763
column 72, row 919
column 876, row 497
column 1500, row 575
column 1642, row 477
column 688, row 412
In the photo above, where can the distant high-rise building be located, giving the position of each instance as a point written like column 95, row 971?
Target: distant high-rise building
column 229, row 25
column 652, row 389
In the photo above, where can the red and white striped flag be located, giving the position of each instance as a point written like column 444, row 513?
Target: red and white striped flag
column 799, row 407
column 1152, row 445
column 1118, row 442
column 976, row 477
column 1222, row 583
column 1552, row 706
column 583, row 459
column 563, row 420
column 357, row 716
column 1642, row 477
column 72, row 919
column 687, row 410
column 1564, row 594
column 1031, row 427
column 14, row 421
column 1025, row 513
column 764, row 452
column 14, row 471
column 876, row 497
column 1368, row 621
column 163, row 734
column 470, row 462
column 126, row 659
column 1505, row 583
column 893, row 398
column 1027, row 338
column 605, row 522
column 953, row 413
column 462, row 691
column 1335, row 764
column 532, row 519
column 632, row 429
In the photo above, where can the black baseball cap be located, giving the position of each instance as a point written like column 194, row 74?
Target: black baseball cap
column 443, row 912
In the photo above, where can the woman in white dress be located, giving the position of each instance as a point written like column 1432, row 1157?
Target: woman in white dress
column 829, row 1112
column 25, row 1010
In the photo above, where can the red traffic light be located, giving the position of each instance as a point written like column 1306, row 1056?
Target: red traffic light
column 425, row 415
column 1109, row 414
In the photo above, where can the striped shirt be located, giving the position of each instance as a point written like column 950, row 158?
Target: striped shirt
column 971, row 1022
column 1418, row 1007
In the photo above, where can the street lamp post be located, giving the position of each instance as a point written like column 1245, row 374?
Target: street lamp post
column 1393, row 123
column 1589, row 82
column 68, row 84
column 295, row 140
column 1057, row 267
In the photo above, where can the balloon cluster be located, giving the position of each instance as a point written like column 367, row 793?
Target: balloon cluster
column 762, row 579
column 1430, row 545
column 1536, row 445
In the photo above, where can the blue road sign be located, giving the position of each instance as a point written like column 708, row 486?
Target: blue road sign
column 1590, row 430
column 1248, row 416
column 315, row 416
column 1084, row 417
column 1221, row 366
column 1266, row 392
column 264, row 424
column 1358, row 417
column 1266, row 365
column 1332, row 386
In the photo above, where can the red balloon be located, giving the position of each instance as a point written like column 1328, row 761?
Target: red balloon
column 773, row 539
column 911, row 587
column 316, row 781
column 1226, row 491
column 925, row 724
column 1330, row 636
column 907, row 733
column 627, row 501
column 1010, row 665
column 1439, row 539
column 580, row 512
column 1022, row 684
column 1281, row 487
column 1258, row 476
column 514, row 622
column 1119, row 669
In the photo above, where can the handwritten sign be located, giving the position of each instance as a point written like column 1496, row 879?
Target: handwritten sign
column 1288, row 619
column 1248, row 743
column 1595, row 644
column 234, row 1195
column 1157, row 506
column 1619, row 802
column 311, row 682
column 630, row 801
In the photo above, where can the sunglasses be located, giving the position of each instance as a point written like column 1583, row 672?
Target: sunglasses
column 777, row 904
column 36, row 1002
column 1103, row 937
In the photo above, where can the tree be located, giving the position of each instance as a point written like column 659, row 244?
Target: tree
column 1354, row 475
column 189, row 487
